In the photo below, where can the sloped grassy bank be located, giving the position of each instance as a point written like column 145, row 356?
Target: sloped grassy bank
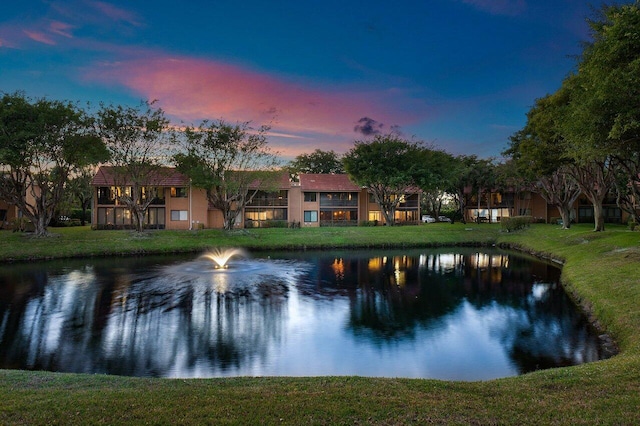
column 602, row 270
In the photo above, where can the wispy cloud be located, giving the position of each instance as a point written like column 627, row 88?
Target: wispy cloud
column 193, row 89
column 115, row 13
column 61, row 28
column 62, row 19
column 40, row 37
column 499, row 7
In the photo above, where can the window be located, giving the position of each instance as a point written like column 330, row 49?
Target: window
column 256, row 213
column 106, row 195
column 155, row 218
column 179, row 215
column 178, row 192
column 310, row 215
column 406, row 215
column 265, row 199
column 338, row 199
column 310, row 197
column 374, row 215
column 329, row 215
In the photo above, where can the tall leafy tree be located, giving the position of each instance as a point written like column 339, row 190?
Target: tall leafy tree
column 322, row 162
column 482, row 178
column 602, row 123
column 433, row 175
column 462, row 171
column 386, row 166
column 41, row 143
column 231, row 162
column 137, row 139
column 538, row 152
column 80, row 189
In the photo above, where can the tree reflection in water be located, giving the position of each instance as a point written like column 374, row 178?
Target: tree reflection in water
column 416, row 313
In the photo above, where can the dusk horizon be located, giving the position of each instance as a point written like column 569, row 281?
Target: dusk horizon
column 459, row 75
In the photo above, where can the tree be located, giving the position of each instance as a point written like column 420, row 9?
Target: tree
column 326, row 162
column 461, row 176
column 611, row 66
column 482, row 177
column 603, row 120
column 230, row 162
column 433, row 177
column 41, row 143
column 137, row 141
column 538, row 152
column 386, row 166
column 79, row 187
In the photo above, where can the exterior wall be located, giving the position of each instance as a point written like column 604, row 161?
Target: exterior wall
column 496, row 206
column 189, row 210
column 215, row 219
column 310, row 207
column 177, row 211
column 8, row 213
column 365, row 206
column 199, row 208
column 296, row 213
column 540, row 208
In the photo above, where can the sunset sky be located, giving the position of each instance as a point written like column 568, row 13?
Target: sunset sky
column 458, row 74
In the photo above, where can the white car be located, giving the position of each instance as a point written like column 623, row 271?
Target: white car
column 428, row 219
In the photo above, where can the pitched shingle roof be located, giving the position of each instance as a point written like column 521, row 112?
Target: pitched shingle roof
column 165, row 176
column 322, row 182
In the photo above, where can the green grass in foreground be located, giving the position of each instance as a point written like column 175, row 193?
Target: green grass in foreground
column 601, row 270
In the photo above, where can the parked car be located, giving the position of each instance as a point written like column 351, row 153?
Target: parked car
column 443, row 219
column 428, row 219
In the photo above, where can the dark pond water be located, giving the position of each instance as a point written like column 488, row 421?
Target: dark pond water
column 462, row 315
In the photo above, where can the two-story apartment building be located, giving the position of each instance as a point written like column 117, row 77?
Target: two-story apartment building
column 494, row 206
column 311, row 200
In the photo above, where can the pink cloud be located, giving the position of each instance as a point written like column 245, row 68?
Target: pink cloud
column 193, row 89
column 40, row 37
column 61, row 28
column 115, row 13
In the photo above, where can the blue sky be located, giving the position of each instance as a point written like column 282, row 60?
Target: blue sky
column 458, row 74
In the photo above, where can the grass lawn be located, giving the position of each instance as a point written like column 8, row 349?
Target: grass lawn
column 602, row 271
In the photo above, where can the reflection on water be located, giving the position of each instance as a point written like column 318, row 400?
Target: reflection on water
column 460, row 315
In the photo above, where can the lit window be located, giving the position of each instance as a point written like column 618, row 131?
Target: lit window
column 179, row 192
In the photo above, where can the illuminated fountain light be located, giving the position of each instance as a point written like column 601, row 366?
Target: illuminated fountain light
column 234, row 272
column 221, row 257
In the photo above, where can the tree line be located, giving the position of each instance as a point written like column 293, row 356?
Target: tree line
column 52, row 148
column 582, row 139
column 585, row 137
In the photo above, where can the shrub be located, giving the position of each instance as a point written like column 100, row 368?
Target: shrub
column 515, row 223
column 368, row 223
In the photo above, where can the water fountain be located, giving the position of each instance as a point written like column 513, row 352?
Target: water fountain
column 232, row 271
column 220, row 257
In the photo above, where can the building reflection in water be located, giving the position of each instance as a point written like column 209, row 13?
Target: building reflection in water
column 467, row 315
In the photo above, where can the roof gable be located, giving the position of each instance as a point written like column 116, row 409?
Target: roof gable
column 165, row 176
column 327, row 182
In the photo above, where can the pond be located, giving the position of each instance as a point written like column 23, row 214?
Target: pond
column 458, row 314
